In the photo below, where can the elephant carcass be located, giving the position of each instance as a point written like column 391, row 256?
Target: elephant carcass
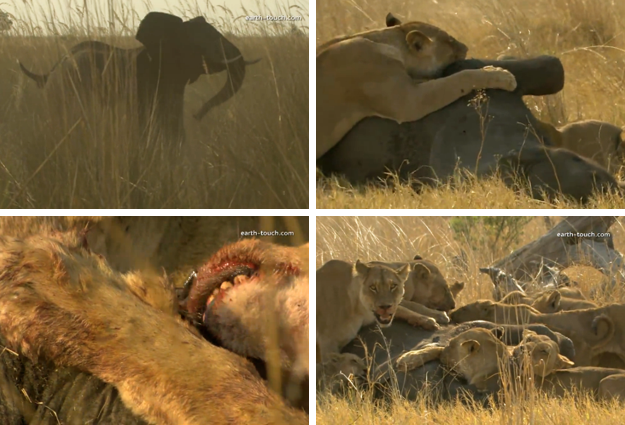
column 473, row 134
column 376, row 145
column 384, row 346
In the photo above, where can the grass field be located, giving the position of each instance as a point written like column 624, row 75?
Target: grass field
column 434, row 238
column 250, row 152
column 587, row 35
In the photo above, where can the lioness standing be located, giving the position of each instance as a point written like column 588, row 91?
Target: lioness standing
column 390, row 73
column 373, row 293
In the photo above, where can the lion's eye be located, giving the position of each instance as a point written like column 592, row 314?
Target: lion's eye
column 393, row 286
column 373, row 289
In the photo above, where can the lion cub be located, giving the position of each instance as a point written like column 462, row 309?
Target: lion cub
column 392, row 73
column 372, row 294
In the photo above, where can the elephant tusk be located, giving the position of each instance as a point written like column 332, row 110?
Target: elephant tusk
column 227, row 61
column 252, row 62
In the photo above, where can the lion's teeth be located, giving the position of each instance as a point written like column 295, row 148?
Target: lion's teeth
column 226, row 285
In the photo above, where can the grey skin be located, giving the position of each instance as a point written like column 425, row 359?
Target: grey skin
column 74, row 397
column 428, row 150
column 389, row 343
column 174, row 53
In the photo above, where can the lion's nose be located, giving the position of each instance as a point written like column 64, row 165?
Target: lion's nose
column 384, row 307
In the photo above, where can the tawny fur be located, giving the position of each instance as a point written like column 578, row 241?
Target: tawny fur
column 164, row 372
column 391, row 73
column 598, row 333
column 597, row 140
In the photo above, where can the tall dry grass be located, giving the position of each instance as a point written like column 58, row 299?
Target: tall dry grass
column 400, row 238
column 587, row 35
column 250, row 152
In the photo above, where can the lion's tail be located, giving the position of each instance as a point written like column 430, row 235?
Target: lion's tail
column 41, row 80
column 603, row 327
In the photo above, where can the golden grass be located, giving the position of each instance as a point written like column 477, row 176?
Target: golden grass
column 251, row 152
column 400, row 238
column 587, row 35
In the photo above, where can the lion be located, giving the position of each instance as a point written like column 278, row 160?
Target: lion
column 474, row 354
column 392, row 73
column 479, row 356
column 596, row 332
column 176, row 244
column 377, row 292
column 340, row 371
column 542, row 352
column 554, row 301
column 51, row 278
column 597, row 140
column 427, row 291
column 557, row 375
column 550, row 302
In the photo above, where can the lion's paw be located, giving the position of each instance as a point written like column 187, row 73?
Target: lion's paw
column 500, row 78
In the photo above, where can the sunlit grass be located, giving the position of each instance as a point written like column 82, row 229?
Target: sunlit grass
column 250, row 152
column 399, row 239
column 587, row 35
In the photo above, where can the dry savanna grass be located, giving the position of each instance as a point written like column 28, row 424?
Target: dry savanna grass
column 250, row 152
column 482, row 242
column 587, row 35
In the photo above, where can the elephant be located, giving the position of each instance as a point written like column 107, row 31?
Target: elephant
column 481, row 134
column 384, row 345
column 174, row 53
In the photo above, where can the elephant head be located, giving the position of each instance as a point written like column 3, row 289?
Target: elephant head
column 192, row 48
column 553, row 171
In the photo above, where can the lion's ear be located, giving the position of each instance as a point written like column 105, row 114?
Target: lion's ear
column 421, row 270
column 403, row 272
column 391, row 20
column 360, row 268
column 417, row 40
column 471, row 345
column 563, row 362
column 554, row 300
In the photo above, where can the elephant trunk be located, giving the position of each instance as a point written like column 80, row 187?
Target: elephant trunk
column 236, row 75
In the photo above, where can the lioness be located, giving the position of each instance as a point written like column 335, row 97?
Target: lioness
column 340, row 371
column 596, row 332
column 105, row 325
column 351, row 296
column 427, row 291
column 597, row 140
column 554, row 301
column 478, row 355
column 391, row 73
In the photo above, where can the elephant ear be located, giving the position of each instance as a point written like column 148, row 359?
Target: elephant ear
column 157, row 26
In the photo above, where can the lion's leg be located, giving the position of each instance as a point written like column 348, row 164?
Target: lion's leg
column 416, row 319
column 440, row 316
column 163, row 372
column 402, row 99
column 417, row 358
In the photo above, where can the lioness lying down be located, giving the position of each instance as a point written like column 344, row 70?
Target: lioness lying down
column 596, row 332
column 66, row 314
column 597, row 140
column 391, row 73
column 480, row 358
column 433, row 148
column 381, row 348
column 350, row 296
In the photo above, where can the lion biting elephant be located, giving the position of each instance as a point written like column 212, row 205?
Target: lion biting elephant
column 431, row 149
column 79, row 334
